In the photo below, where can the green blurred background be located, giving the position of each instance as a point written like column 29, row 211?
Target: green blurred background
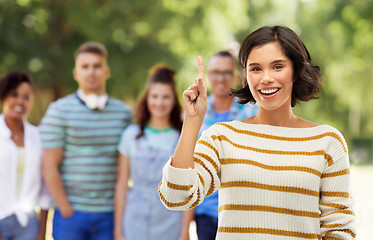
column 40, row 37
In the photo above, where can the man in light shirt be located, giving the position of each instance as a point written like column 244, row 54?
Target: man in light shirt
column 80, row 133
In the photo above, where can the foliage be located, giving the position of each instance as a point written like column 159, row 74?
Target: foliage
column 40, row 37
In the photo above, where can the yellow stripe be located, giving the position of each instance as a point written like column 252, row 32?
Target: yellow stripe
column 227, row 161
column 269, row 187
column 234, row 207
column 335, row 174
column 170, row 204
column 331, row 225
column 209, row 146
column 278, row 152
column 344, row 211
column 269, row 231
column 293, row 139
column 341, row 230
column 208, row 158
column 197, row 201
column 200, row 162
column 336, row 194
column 334, row 205
column 177, row 186
column 331, row 238
column 202, row 180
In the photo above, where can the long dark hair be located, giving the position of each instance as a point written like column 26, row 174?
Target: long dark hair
column 306, row 77
column 164, row 75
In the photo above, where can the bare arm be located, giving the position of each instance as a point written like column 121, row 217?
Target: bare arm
column 195, row 98
column 43, row 216
column 52, row 158
column 188, row 217
column 121, row 189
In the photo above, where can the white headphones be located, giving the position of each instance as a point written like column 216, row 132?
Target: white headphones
column 93, row 101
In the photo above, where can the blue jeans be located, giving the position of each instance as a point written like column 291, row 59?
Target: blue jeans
column 10, row 229
column 83, row 226
column 207, row 227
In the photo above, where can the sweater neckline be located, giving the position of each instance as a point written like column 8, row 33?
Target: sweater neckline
column 277, row 128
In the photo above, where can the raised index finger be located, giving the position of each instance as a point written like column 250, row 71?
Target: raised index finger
column 201, row 71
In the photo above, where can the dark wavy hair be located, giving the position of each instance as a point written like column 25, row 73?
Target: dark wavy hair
column 306, row 77
column 11, row 81
column 164, row 75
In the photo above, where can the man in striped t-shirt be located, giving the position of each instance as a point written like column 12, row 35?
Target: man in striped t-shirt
column 80, row 133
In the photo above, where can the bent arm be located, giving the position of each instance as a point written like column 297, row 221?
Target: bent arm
column 195, row 101
column 185, row 181
column 52, row 159
column 184, row 151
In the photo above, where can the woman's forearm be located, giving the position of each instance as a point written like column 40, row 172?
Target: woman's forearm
column 183, row 155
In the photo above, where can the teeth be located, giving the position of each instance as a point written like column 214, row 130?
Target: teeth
column 269, row 91
column 18, row 108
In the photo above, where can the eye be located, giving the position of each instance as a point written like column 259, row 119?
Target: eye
column 255, row 69
column 277, row 67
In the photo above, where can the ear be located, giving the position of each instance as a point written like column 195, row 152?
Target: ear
column 75, row 74
column 108, row 72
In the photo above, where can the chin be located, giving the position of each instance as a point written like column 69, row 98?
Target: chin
column 17, row 117
column 160, row 115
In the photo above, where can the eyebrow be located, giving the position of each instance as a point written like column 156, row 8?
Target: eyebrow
column 274, row 62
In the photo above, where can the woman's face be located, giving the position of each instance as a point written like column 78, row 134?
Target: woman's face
column 160, row 100
column 18, row 103
column 270, row 76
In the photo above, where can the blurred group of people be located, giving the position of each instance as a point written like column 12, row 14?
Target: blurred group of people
column 109, row 177
column 88, row 160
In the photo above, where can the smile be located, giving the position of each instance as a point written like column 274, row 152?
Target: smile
column 268, row 91
column 18, row 108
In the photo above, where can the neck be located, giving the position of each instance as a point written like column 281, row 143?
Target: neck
column 277, row 117
column 96, row 92
column 159, row 122
column 222, row 104
column 14, row 125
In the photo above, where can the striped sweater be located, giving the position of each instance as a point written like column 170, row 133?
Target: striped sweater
column 89, row 139
column 274, row 182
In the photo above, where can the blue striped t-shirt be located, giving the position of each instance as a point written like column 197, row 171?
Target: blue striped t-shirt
column 89, row 139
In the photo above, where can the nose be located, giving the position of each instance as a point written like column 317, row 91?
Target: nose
column 20, row 100
column 158, row 101
column 266, row 77
column 91, row 70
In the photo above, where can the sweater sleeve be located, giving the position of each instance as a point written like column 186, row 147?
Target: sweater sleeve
column 182, row 189
column 336, row 214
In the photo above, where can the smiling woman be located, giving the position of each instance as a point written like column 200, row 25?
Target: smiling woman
column 20, row 158
column 278, row 176
column 144, row 149
column 17, row 97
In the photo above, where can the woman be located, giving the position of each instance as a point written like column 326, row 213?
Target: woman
column 279, row 176
column 20, row 159
column 144, row 149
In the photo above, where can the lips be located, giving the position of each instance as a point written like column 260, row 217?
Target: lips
column 269, row 91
